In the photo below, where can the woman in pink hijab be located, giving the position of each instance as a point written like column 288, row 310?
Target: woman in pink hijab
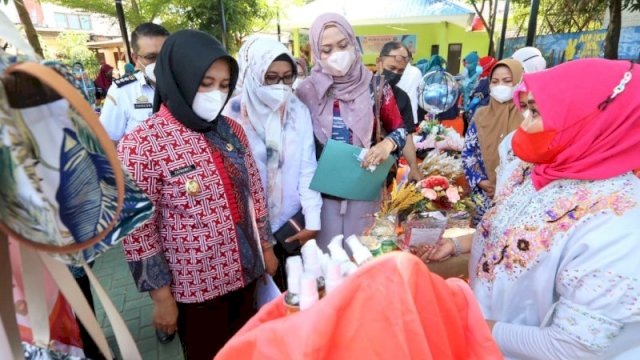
column 339, row 95
column 554, row 264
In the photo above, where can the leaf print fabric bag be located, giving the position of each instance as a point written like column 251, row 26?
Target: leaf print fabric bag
column 65, row 197
column 62, row 187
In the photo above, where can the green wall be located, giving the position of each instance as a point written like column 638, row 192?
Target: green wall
column 441, row 34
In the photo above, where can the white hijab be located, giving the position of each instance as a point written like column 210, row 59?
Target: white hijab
column 265, row 109
column 531, row 58
column 243, row 59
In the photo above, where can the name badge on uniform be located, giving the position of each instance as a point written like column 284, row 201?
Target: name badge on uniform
column 142, row 103
column 182, row 171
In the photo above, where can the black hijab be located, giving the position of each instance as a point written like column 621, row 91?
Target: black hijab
column 182, row 63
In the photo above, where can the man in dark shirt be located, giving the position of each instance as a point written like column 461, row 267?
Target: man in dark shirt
column 392, row 62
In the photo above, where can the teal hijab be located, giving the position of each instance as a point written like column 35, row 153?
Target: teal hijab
column 471, row 61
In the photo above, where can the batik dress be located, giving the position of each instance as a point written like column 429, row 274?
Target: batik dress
column 475, row 172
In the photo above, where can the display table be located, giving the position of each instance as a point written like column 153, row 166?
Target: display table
column 455, row 266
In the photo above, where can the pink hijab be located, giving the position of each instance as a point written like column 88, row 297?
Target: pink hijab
column 600, row 143
column 352, row 90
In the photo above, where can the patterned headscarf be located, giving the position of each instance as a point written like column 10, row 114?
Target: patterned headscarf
column 268, row 123
column 352, row 90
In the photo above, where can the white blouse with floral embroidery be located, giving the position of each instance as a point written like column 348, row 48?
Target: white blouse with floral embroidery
column 559, row 268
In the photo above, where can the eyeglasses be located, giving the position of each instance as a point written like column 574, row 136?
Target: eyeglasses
column 275, row 79
column 151, row 58
column 398, row 58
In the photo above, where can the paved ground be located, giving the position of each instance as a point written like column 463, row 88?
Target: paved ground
column 135, row 308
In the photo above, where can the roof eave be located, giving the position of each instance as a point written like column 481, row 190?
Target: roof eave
column 460, row 20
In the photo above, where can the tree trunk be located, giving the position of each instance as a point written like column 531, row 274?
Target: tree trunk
column 493, row 13
column 492, row 49
column 136, row 9
column 29, row 29
column 613, row 30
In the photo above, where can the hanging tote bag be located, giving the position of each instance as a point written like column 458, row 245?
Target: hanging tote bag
column 63, row 195
column 62, row 187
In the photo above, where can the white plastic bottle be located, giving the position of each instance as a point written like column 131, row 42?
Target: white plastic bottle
column 311, row 258
column 360, row 252
column 308, row 290
column 336, row 249
column 333, row 275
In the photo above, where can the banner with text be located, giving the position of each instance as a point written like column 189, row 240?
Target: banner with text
column 372, row 44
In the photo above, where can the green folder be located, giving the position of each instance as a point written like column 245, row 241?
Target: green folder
column 339, row 173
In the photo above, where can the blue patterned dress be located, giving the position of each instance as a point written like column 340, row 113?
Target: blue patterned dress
column 475, row 172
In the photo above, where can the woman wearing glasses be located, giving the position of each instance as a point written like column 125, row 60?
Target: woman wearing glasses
column 278, row 127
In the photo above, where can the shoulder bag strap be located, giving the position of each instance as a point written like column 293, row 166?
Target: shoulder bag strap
column 34, row 294
column 71, row 291
column 377, row 84
column 10, row 343
column 126, row 343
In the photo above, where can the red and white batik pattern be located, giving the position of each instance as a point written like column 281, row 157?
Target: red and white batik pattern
column 192, row 225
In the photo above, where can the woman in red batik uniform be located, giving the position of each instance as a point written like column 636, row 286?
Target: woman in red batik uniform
column 201, row 253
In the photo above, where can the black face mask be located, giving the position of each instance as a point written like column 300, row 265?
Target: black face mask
column 391, row 77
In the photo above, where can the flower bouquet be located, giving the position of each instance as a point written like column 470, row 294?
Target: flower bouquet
column 432, row 135
column 441, row 195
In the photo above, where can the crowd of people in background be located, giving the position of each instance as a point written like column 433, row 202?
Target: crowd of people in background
column 226, row 149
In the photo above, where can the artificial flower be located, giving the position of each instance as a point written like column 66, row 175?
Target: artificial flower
column 435, row 181
column 429, row 194
column 453, row 195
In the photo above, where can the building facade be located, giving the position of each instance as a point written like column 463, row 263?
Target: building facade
column 51, row 20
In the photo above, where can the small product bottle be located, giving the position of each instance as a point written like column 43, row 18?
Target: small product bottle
column 360, row 253
column 311, row 258
column 308, row 291
column 333, row 275
column 337, row 250
column 292, row 297
column 348, row 268
column 294, row 264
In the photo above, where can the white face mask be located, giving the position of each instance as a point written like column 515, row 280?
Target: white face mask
column 148, row 72
column 339, row 63
column 274, row 96
column 502, row 93
column 296, row 83
column 208, row 105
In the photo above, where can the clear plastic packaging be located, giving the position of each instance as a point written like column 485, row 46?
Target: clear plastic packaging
column 423, row 229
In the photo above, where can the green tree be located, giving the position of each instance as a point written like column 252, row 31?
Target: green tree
column 29, row 29
column 136, row 11
column 242, row 16
column 615, row 24
column 487, row 11
column 74, row 49
column 560, row 16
